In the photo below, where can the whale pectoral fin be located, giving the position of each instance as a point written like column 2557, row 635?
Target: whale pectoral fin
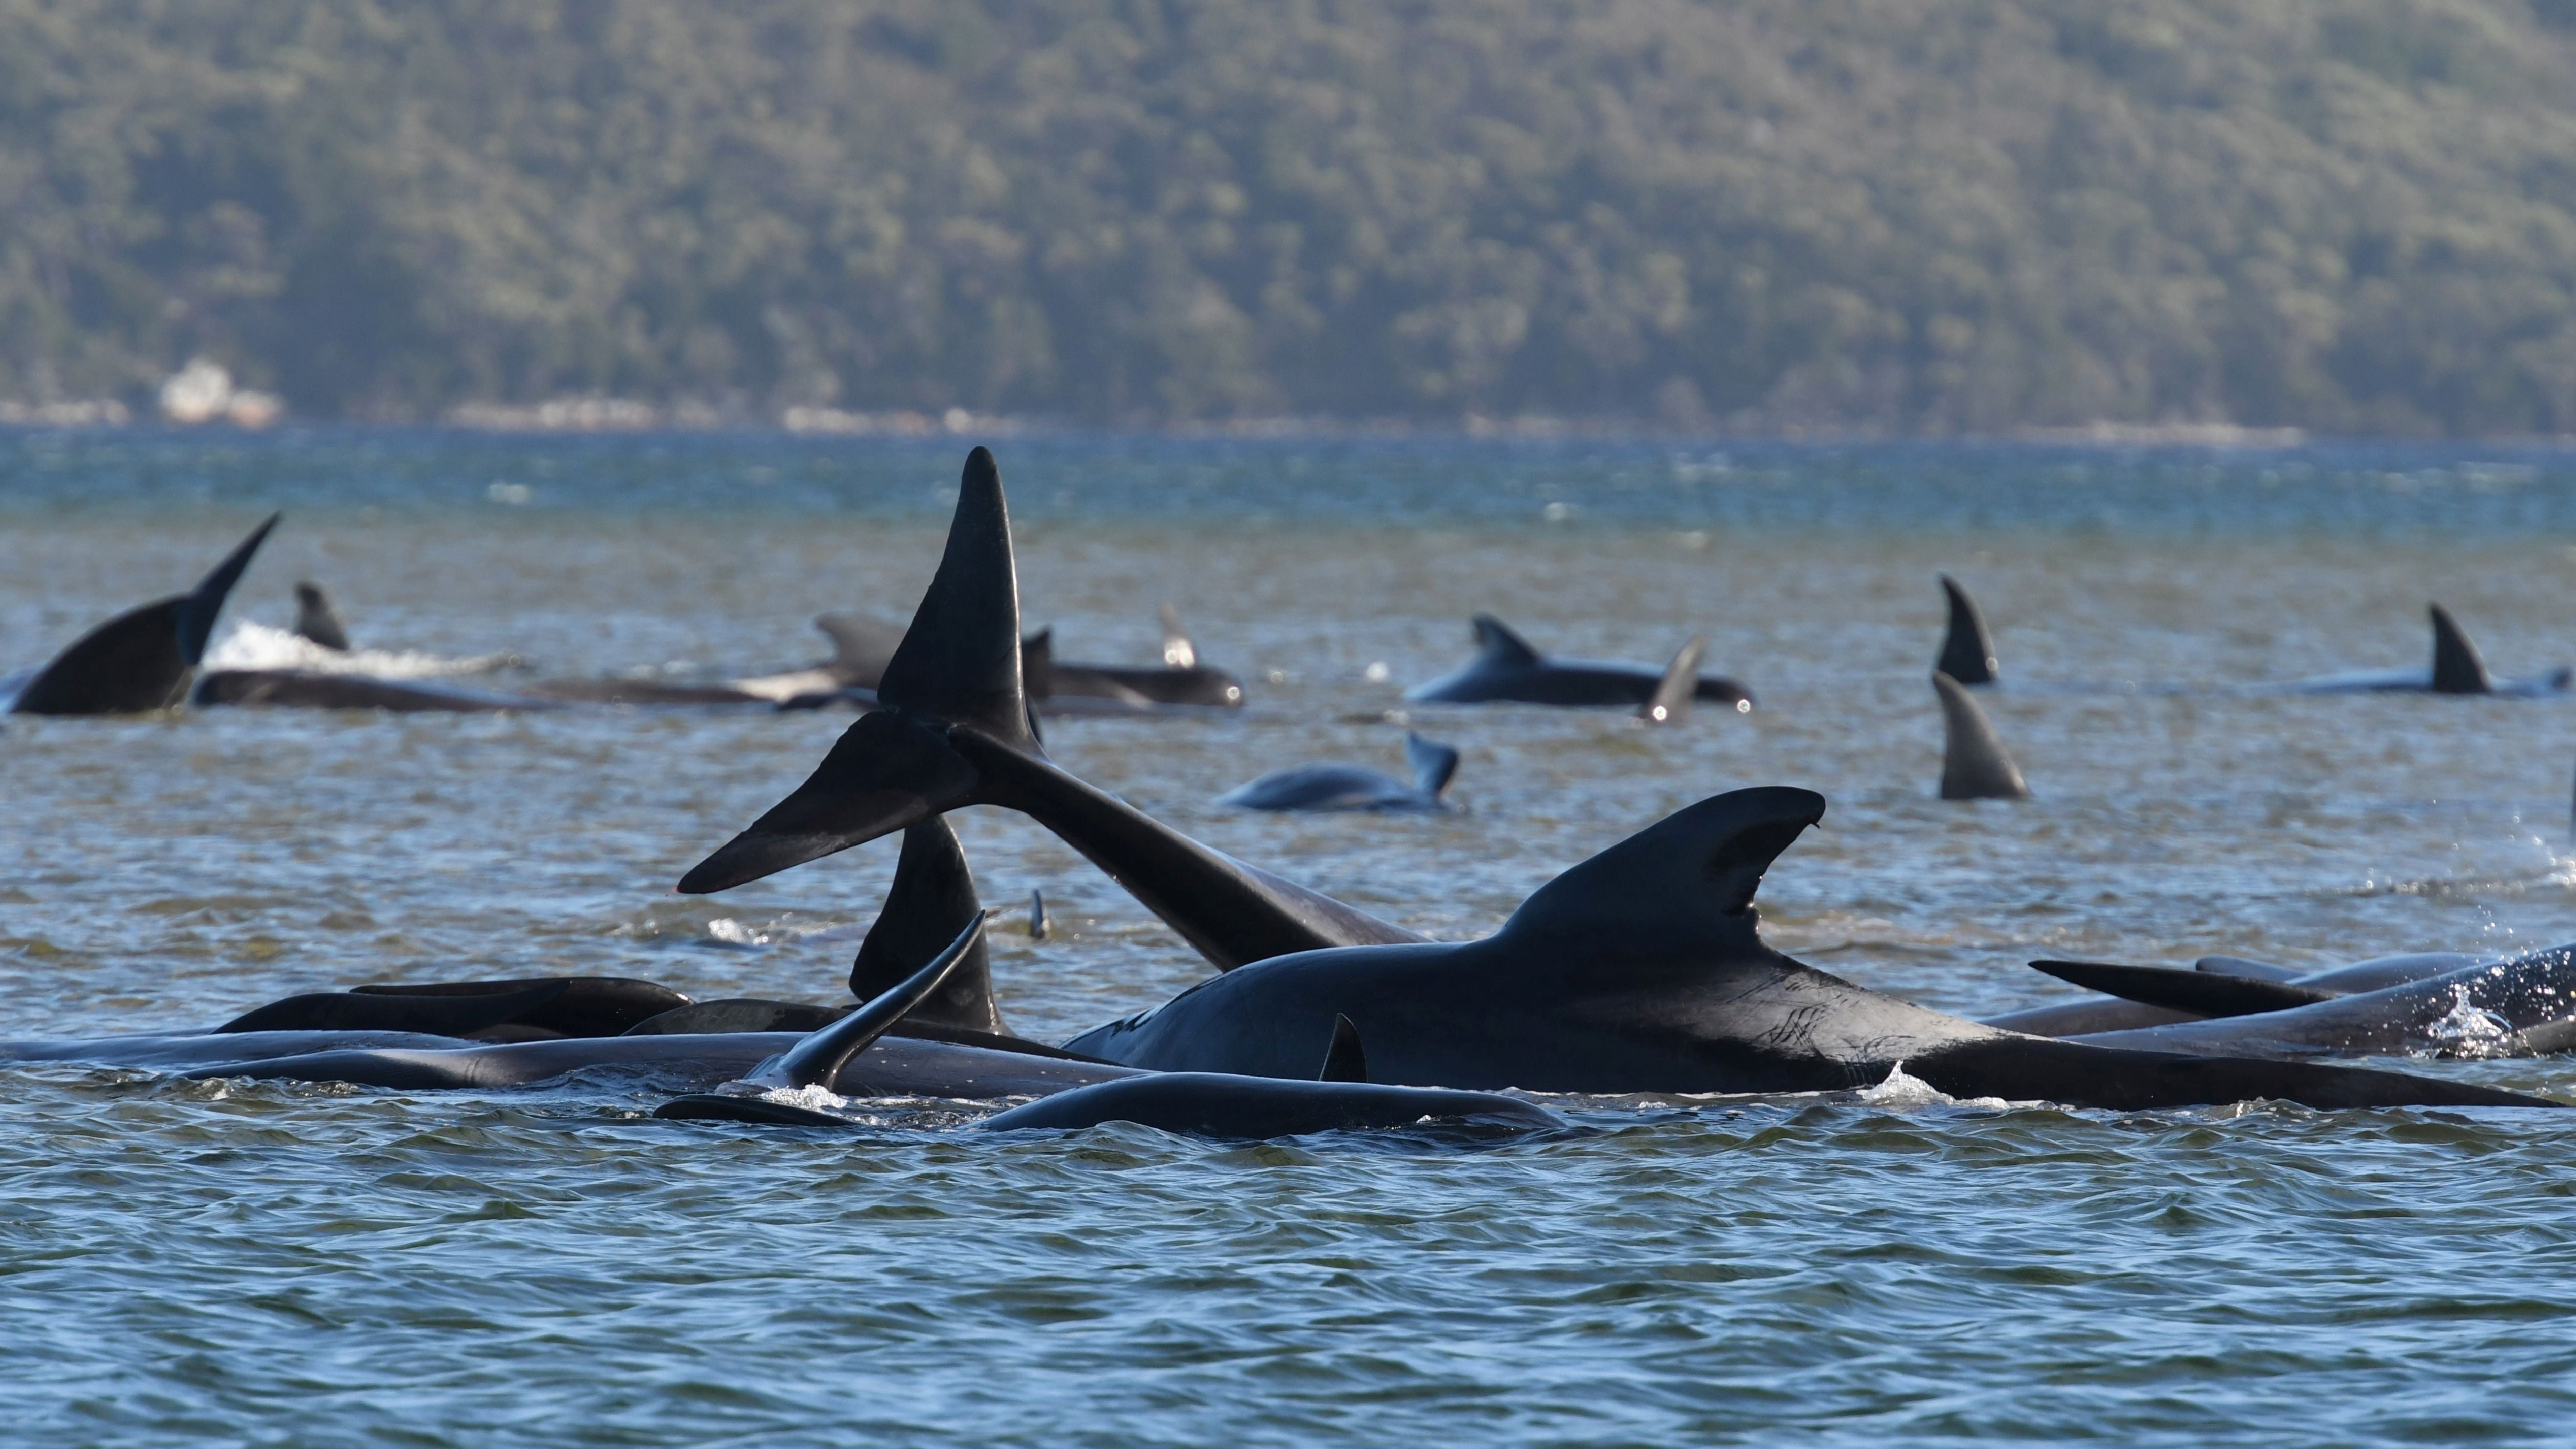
column 1178, row 651
column 1974, row 763
column 1496, row 644
column 2457, row 669
column 2205, row 992
column 1344, row 1060
column 1967, row 650
column 1434, row 764
column 960, row 659
column 1671, row 701
column 1694, row 872
column 931, row 900
column 816, row 1060
column 887, row 771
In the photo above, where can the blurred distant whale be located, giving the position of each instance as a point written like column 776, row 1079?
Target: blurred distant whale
column 144, row 658
column 2457, row 669
column 1967, row 650
column 1507, row 669
column 1352, row 787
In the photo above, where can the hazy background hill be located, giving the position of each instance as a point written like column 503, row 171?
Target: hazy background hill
column 2349, row 215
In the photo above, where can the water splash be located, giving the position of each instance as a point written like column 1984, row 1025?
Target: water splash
column 257, row 646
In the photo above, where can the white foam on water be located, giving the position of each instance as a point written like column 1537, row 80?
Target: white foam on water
column 257, row 646
column 1903, row 1089
column 2471, row 1031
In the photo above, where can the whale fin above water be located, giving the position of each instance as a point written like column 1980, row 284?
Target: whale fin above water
column 861, row 647
column 1178, row 651
column 2206, row 993
column 960, row 659
column 818, row 1059
column 1671, row 701
column 2457, row 669
column 142, row 659
column 1345, row 1060
column 1496, row 644
column 1967, row 650
column 316, row 620
column 1434, row 764
column 1974, row 763
column 1695, row 870
column 932, row 899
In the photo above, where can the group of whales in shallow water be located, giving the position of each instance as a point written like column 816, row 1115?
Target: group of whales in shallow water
column 1640, row 970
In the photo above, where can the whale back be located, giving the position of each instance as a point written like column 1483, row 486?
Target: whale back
column 2457, row 669
column 932, row 899
column 142, row 659
column 1967, row 650
column 1690, row 876
column 1974, row 763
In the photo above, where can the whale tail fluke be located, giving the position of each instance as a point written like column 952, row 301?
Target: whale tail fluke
column 1703, row 862
column 1671, row 701
column 1498, row 647
column 316, row 621
column 1434, row 764
column 2457, row 669
column 1344, row 1060
column 958, row 667
column 1967, row 650
column 1178, row 651
column 932, row 899
column 142, row 659
column 816, row 1060
column 1974, row 763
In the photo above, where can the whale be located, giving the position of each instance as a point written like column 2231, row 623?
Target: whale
column 2457, row 668
column 1352, row 787
column 2152, row 999
column 1967, row 650
column 1974, row 763
column 143, row 659
column 1179, row 685
column 1638, row 970
column 1507, row 668
column 531, row 1009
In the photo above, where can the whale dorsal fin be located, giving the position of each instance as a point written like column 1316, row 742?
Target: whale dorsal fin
column 1671, row 701
column 1433, row 764
column 1037, row 663
column 1967, row 651
column 1344, row 1061
column 316, row 620
column 1974, row 763
column 931, row 900
column 1178, row 651
column 1693, row 872
column 2204, row 992
column 816, row 1060
column 1497, row 644
column 960, row 659
column 860, row 646
column 2457, row 669
column 141, row 659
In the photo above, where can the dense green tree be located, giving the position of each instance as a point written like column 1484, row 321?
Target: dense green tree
column 2349, row 215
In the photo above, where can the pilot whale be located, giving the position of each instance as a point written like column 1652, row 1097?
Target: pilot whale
column 143, row 659
column 1508, row 668
column 2458, row 668
column 1639, row 970
column 1352, row 787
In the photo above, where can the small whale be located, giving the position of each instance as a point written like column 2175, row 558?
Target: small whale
column 143, row 659
column 1974, row 763
column 1507, row 669
column 1353, row 787
column 2457, row 669
column 1638, row 970
column 1967, row 650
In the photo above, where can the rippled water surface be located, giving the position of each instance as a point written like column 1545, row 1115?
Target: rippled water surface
column 256, row 1263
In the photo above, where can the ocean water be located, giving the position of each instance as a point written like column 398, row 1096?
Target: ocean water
column 250, row 1263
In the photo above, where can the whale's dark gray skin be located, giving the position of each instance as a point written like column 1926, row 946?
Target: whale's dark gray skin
column 155, row 1051
column 1215, row 1104
column 2524, row 1006
column 305, row 689
column 1967, row 650
column 954, row 728
column 2108, row 1013
column 1352, row 787
column 143, row 659
column 2457, row 669
column 316, row 620
column 1974, row 763
column 1507, row 668
column 2201, row 993
column 534, row 1008
column 1642, row 970
column 931, row 900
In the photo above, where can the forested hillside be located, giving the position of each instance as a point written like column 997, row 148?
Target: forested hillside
column 1971, row 215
